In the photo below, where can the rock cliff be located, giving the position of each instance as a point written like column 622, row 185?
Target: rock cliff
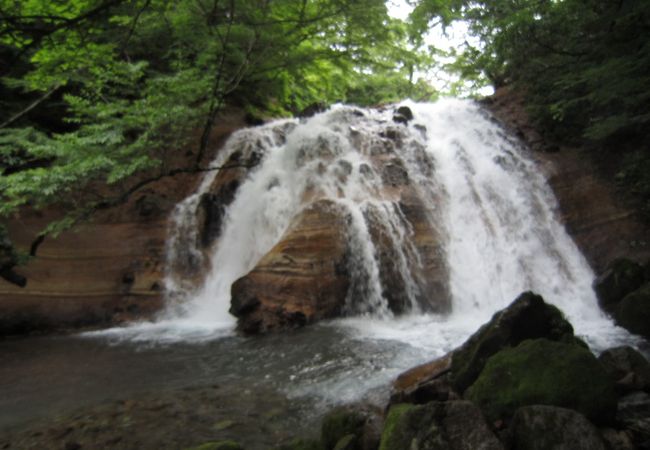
column 106, row 271
column 603, row 224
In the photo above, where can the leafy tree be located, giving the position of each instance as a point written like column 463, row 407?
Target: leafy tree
column 101, row 90
column 584, row 66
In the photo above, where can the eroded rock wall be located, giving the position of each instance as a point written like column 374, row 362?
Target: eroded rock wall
column 106, row 271
column 602, row 223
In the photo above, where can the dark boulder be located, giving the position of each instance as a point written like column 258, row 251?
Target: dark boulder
column 528, row 317
column 633, row 312
column 312, row 110
column 403, row 114
column 540, row 427
column 621, row 278
column 454, row 425
column 544, row 372
column 627, row 368
column 213, row 208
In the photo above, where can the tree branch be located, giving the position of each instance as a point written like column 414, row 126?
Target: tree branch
column 30, row 107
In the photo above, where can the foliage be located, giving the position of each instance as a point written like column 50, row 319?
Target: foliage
column 96, row 91
column 584, row 66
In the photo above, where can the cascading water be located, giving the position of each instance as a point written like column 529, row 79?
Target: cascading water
column 476, row 190
column 497, row 214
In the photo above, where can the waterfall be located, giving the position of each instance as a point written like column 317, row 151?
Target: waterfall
column 478, row 190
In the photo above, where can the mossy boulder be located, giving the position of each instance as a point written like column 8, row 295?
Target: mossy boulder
column 544, row 372
column 540, row 427
column 453, row 425
column 633, row 312
column 622, row 277
column 361, row 421
column 528, row 317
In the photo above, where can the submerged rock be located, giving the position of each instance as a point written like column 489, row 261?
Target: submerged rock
column 528, row 317
column 545, row 372
column 541, row 427
column 454, row 425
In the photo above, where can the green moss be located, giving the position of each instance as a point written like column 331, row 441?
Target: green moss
column 633, row 312
column 218, row 445
column 528, row 317
column 339, row 423
column 544, row 372
column 408, row 426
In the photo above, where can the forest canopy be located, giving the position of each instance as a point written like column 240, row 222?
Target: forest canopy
column 100, row 90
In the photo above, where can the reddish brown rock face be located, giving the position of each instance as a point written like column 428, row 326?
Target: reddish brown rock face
column 603, row 225
column 104, row 272
column 314, row 271
column 302, row 279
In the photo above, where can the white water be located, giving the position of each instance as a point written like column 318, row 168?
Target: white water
column 490, row 204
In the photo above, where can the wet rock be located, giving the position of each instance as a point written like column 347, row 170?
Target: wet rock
column 617, row 440
column 528, row 317
column 355, row 427
column 424, row 383
column 438, row 390
column 541, row 371
column 403, row 114
column 212, row 208
column 633, row 407
column 541, row 427
column 421, row 129
column 621, row 278
column 633, row 413
column 303, row 278
column 394, row 173
column 413, row 271
column 312, row 110
column 633, row 312
column 627, row 368
column 454, row 425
